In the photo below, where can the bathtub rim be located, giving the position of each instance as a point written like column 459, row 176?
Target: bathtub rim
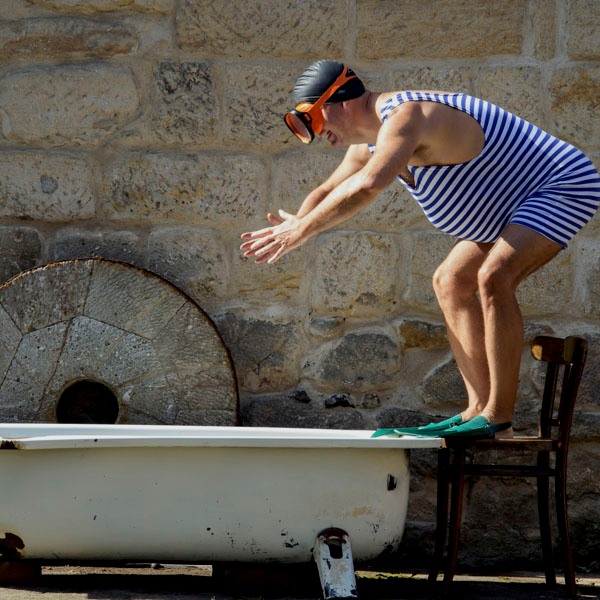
column 46, row 436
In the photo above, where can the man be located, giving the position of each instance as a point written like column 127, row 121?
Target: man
column 511, row 194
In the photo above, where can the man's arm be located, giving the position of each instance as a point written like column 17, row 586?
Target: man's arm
column 397, row 141
column 355, row 159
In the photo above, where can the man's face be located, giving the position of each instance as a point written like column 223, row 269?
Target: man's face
column 306, row 119
column 337, row 124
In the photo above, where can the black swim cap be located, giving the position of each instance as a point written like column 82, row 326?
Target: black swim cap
column 318, row 78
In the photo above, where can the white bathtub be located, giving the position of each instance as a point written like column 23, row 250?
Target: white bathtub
column 198, row 494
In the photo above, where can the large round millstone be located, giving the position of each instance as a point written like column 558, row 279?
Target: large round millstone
column 99, row 341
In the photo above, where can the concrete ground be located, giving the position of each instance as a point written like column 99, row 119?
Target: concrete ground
column 186, row 582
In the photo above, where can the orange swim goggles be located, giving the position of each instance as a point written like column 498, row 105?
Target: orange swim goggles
column 306, row 120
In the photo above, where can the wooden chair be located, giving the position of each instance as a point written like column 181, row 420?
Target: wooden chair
column 552, row 441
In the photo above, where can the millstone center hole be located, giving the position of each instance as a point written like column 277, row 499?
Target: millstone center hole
column 87, row 402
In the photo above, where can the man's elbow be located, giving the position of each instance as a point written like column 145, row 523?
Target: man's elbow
column 373, row 184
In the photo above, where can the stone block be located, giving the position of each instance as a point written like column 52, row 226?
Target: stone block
column 283, row 411
column 79, row 107
column 358, row 362
column 444, row 78
column 586, row 259
column 195, row 260
column 586, row 423
column 517, row 89
column 582, row 42
column 355, row 274
column 587, row 397
column 422, row 334
column 583, row 458
column 255, row 99
column 190, row 188
column 443, row 389
column 544, row 23
column 16, row 9
column 297, row 172
column 516, row 512
column 186, row 104
column 584, row 523
column 20, row 249
column 47, row 187
column 66, row 38
column 82, row 243
column 102, row 6
column 433, row 29
column 575, row 104
column 549, row 290
column 396, row 416
column 429, row 249
column 326, row 327
column 279, row 282
column 265, row 28
column 265, row 353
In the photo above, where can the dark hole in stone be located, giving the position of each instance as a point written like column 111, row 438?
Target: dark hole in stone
column 87, row 402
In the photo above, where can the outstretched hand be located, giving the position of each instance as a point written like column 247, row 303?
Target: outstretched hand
column 271, row 243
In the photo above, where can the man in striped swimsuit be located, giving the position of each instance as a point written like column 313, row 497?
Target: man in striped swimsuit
column 511, row 194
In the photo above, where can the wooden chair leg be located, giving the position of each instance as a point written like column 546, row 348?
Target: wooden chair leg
column 441, row 527
column 458, row 482
column 560, row 489
column 543, row 498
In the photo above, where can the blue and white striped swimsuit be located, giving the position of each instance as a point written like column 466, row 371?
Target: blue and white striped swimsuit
column 523, row 175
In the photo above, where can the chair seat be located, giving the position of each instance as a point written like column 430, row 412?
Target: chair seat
column 522, row 442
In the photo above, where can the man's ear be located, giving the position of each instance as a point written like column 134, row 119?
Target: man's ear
column 343, row 105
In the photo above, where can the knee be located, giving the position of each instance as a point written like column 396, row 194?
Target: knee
column 452, row 284
column 494, row 282
column 440, row 282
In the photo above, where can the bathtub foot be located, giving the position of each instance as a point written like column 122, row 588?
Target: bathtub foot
column 18, row 571
column 333, row 556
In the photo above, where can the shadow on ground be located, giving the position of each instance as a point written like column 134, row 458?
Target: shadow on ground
column 145, row 582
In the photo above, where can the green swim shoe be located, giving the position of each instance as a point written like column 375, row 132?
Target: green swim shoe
column 479, row 427
column 431, row 430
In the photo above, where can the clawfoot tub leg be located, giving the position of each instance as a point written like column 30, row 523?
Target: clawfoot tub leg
column 333, row 556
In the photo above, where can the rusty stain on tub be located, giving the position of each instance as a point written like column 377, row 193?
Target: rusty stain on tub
column 10, row 546
column 360, row 511
column 9, row 445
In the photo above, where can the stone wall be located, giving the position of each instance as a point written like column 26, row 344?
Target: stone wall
column 150, row 131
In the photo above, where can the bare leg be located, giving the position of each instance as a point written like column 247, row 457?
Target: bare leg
column 517, row 253
column 455, row 285
column 486, row 334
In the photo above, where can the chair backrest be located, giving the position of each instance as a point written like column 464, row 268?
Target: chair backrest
column 567, row 355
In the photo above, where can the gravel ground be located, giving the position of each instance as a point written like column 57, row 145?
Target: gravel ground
column 188, row 582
